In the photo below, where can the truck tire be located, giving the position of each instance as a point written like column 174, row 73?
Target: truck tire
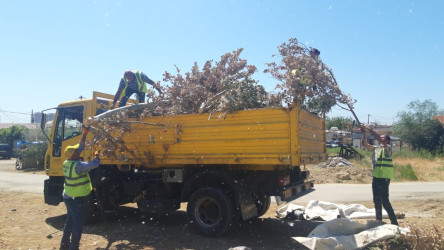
column 210, row 212
column 263, row 204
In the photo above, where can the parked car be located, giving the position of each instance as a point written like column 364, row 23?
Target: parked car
column 5, row 151
column 332, row 144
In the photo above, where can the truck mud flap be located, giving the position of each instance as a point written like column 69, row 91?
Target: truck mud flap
column 53, row 192
column 291, row 193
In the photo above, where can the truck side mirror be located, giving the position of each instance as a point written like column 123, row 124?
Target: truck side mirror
column 43, row 122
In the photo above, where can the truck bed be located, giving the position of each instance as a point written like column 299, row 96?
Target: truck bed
column 259, row 139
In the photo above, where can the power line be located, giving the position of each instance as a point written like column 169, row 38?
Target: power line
column 12, row 112
column 12, row 115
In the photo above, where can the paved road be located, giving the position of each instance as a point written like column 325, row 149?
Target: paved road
column 20, row 181
column 363, row 192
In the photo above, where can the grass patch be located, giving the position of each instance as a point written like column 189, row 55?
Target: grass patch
column 403, row 153
column 333, row 152
column 365, row 162
column 405, row 172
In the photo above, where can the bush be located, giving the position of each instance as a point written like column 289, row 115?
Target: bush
column 32, row 157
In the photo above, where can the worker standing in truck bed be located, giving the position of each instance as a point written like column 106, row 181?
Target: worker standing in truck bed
column 133, row 82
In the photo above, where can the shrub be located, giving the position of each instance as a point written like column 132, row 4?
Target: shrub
column 33, row 156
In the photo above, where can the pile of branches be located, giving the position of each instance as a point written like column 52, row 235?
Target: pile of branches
column 305, row 80
column 222, row 86
column 227, row 85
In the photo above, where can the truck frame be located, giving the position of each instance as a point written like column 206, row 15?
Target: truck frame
column 226, row 168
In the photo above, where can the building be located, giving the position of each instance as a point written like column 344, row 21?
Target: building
column 440, row 118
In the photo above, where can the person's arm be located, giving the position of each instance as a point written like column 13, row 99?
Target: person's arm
column 372, row 132
column 151, row 82
column 87, row 165
column 85, row 131
column 118, row 93
column 364, row 139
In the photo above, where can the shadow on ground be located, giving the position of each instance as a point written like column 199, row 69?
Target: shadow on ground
column 130, row 228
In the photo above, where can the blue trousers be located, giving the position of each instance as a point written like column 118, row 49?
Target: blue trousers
column 72, row 230
column 128, row 94
column 380, row 188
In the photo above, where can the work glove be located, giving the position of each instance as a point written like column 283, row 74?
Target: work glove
column 97, row 154
column 85, row 130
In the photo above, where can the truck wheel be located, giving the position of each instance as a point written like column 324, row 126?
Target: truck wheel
column 210, row 212
column 263, row 204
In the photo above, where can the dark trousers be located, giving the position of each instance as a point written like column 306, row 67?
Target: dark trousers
column 128, row 94
column 74, row 223
column 380, row 188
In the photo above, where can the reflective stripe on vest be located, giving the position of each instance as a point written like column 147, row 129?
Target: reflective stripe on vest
column 76, row 185
column 140, row 83
column 384, row 166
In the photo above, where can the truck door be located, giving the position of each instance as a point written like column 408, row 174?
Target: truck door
column 68, row 128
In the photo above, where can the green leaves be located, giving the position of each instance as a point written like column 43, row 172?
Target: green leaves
column 417, row 127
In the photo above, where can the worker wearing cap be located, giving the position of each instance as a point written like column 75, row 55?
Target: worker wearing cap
column 133, row 82
column 77, row 186
column 383, row 172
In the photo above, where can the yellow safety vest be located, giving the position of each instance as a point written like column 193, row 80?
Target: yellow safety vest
column 76, row 185
column 140, row 83
column 384, row 166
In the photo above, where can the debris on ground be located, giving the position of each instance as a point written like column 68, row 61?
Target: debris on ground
column 335, row 162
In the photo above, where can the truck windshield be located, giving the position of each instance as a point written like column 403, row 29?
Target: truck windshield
column 68, row 125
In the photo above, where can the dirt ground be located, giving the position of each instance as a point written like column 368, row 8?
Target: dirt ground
column 27, row 223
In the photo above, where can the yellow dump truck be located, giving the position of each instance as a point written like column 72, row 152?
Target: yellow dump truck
column 226, row 168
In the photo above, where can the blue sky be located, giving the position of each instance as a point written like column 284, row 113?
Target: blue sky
column 383, row 53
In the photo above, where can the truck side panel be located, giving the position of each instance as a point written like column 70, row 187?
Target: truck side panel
column 257, row 139
column 249, row 137
column 311, row 135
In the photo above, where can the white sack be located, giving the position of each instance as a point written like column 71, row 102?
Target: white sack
column 327, row 211
column 346, row 234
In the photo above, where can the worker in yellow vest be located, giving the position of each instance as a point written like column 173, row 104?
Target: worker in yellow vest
column 77, row 187
column 133, row 82
column 383, row 172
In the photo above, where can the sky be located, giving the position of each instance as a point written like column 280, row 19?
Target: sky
column 384, row 53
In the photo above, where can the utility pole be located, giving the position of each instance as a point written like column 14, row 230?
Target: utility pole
column 368, row 119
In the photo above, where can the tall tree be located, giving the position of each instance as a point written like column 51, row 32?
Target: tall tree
column 417, row 127
column 8, row 135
